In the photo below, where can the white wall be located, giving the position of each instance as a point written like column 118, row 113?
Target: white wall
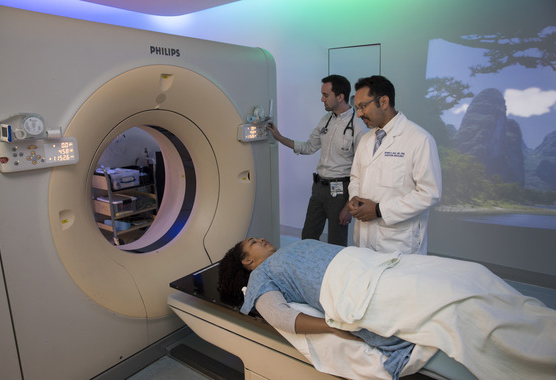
column 298, row 34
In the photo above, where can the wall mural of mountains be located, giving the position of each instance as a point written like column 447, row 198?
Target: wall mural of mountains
column 491, row 102
column 496, row 141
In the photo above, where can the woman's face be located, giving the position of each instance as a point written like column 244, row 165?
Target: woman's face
column 256, row 251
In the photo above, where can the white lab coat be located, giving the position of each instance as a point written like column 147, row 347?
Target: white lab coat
column 404, row 176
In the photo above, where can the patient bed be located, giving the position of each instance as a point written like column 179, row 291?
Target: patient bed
column 269, row 354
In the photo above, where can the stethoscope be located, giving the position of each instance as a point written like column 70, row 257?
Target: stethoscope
column 349, row 125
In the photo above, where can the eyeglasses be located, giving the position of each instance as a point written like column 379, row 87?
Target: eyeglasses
column 362, row 106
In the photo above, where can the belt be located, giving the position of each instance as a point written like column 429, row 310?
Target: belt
column 326, row 181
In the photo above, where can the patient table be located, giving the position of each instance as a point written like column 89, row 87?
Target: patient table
column 265, row 353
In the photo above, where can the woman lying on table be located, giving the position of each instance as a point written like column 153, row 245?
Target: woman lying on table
column 393, row 302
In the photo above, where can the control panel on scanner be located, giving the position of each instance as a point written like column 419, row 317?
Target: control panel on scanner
column 26, row 144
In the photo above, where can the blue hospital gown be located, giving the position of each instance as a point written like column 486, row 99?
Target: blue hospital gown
column 296, row 271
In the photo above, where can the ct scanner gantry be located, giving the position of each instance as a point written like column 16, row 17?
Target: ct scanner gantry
column 73, row 305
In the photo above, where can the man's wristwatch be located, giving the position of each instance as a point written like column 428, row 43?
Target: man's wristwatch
column 377, row 209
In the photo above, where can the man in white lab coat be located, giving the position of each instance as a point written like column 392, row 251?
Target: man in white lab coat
column 393, row 185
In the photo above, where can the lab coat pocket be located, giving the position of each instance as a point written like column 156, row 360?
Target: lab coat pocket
column 394, row 238
column 391, row 171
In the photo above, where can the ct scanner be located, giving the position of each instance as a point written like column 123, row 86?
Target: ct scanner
column 72, row 305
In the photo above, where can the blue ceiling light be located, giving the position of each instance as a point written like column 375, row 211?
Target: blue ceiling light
column 162, row 7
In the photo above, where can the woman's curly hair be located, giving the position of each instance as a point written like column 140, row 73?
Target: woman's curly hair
column 232, row 276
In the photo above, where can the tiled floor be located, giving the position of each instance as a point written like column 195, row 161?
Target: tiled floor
column 167, row 368
column 174, row 366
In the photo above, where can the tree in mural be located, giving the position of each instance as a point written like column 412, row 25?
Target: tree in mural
column 518, row 48
column 443, row 94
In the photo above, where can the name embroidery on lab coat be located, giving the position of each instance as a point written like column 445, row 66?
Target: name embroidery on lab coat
column 394, row 154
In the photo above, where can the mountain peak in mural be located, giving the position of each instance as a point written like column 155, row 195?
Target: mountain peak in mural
column 488, row 134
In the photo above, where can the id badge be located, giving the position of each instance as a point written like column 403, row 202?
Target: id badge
column 336, row 188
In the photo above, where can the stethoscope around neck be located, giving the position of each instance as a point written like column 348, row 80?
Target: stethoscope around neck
column 349, row 125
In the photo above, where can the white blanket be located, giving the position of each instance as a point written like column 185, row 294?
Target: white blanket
column 349, row 359
column 459, row 307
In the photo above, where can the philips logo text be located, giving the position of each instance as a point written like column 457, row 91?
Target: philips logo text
column 165, row 51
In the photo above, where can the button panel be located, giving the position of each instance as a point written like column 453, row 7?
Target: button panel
column 37, row 154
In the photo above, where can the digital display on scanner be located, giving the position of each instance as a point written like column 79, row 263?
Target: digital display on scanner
column 59, row 151
column 252, row 133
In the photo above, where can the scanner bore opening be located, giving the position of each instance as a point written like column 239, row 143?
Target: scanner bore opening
column 147, row 212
